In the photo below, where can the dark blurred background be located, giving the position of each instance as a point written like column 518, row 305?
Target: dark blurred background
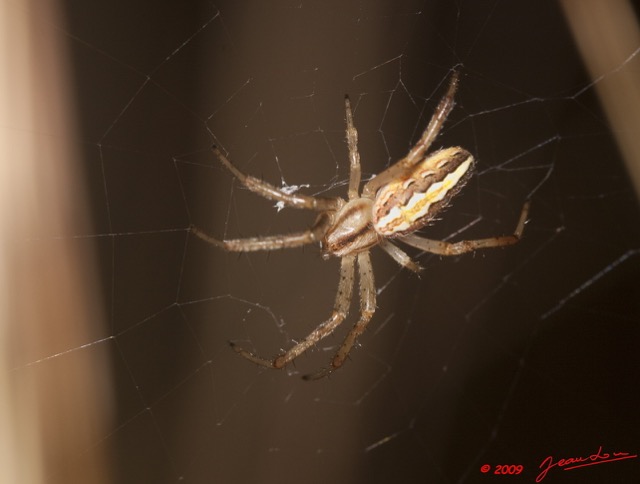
column 506, row 356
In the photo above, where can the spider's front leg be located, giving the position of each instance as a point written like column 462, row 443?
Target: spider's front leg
column 341, row 308
column 367, row 309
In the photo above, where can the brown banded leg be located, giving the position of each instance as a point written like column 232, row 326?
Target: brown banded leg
column 419, row 150
column 355, row 173
column 367, row 309
column 268, row 242
column 340, row 311
column 271, row 192
column 455, row 248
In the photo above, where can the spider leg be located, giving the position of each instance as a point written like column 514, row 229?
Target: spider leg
column 354, row 157
column 252, row 244
column 454, row 248
column 340, row 310
column 271, row 192
column 268, row 242
column 417, row 153
column 367, row 308
column 399, row 255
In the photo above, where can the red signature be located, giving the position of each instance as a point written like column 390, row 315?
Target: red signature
column 576, row 462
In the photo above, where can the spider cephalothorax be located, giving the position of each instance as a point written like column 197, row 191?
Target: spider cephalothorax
column 392, row 206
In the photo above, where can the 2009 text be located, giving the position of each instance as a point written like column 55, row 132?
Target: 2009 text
column 508, row 469
column 503, row 469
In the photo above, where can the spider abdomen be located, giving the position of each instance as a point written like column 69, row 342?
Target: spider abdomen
column 407, row 204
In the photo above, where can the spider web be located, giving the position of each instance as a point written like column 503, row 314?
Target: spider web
column 506, row 356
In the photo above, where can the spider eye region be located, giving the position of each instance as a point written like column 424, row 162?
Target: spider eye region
column 351, row 231
column 408, row 203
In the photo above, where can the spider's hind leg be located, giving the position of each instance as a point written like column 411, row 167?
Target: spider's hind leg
column 270, row 192
column 463, row 246
column 418, row 152
column 400, row 256
column 355, row 173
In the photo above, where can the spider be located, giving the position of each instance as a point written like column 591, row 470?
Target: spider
column 392, row 206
